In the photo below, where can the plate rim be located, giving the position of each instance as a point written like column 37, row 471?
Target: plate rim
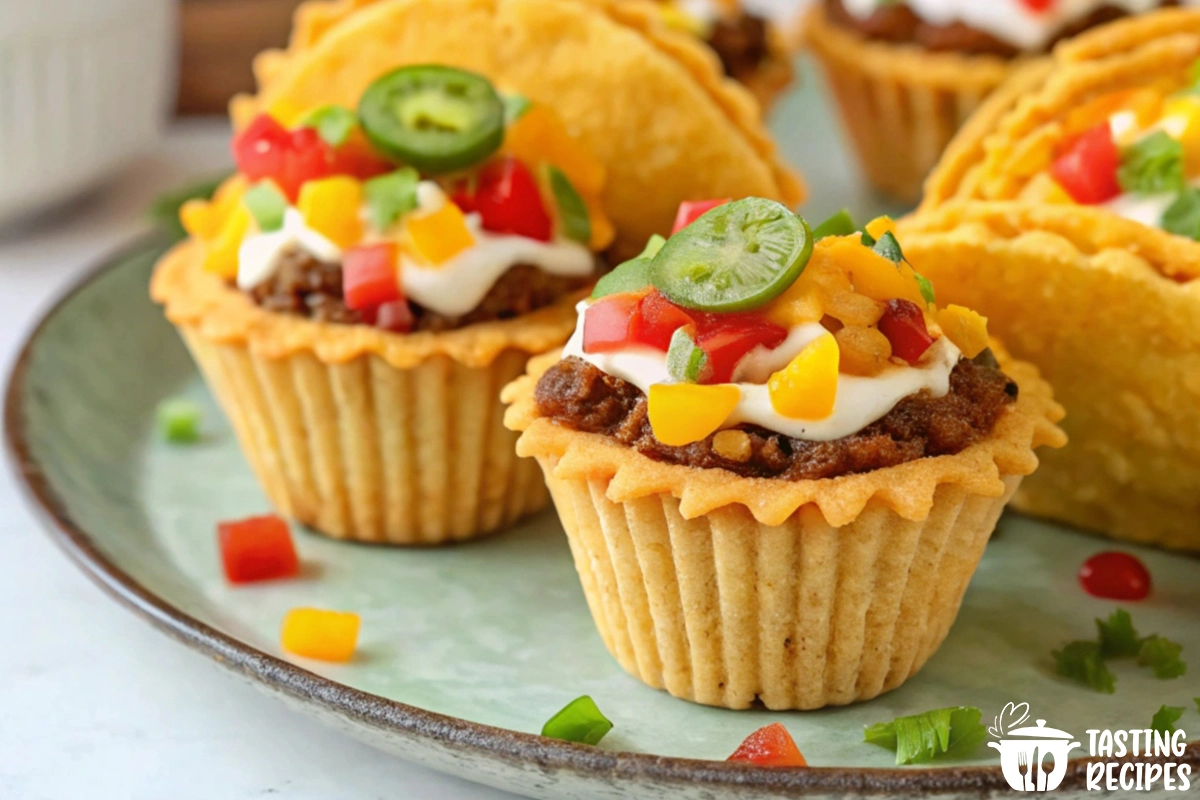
column 453, row 734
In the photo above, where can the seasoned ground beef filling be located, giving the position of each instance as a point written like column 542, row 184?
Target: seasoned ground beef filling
column 576, row 394
column 897, row 23
column 740, row 41
column 311, row 288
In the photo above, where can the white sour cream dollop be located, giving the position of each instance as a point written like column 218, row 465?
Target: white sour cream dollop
column 451, row 289
column 860, row 401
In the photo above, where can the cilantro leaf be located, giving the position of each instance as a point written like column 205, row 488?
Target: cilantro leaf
column 943, row 733
column 926, row 287
column 1182, row 217
column 267, row 205
column 1162, row 656
column 686, row 361
column 632, row 275
column 1153, row 164
column 515, row 106
column 1117, row 636
column 1165, row 719
column 840, row 224
column 391, row 196
column 1083, row 663
column 888, row 246
column 333, row 123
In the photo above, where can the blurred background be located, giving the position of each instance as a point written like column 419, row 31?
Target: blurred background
column 87, row 86
column 219, row 37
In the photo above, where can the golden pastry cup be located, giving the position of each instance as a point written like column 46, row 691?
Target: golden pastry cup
column 1104, row 309
column 900, row 104
column 724, row 590
column 359, row 433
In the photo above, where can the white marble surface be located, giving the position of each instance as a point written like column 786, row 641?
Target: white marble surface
column 93, row 702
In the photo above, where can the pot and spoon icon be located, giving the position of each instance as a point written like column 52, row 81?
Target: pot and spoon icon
column 1023, row 752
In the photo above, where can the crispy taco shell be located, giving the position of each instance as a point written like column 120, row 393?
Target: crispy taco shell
column 1104, row 306
column 649, row 101
column 1011, row 139
column 1091, row 303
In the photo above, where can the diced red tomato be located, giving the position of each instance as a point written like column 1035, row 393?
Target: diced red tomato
column 1038, row 6
column 260, row 149
column 257, row 549
column 370, row 277
column 771, row 746
column 396, row 317
column 650, row 320
column 728, row 340
column 1115, row 576
column 356, row 157
column 903, row 324
column 691, row 210
column 607, row 321
column 1087, row 168
column 656, row 320
column 506, row 196
column 266, row 149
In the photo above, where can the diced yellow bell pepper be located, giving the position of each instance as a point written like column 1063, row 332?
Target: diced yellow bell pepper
column 1187, row 111
column 1042, row 188
column 221, row 253
column 1145, row 104
column 439, row 236
column 205, row 219
column 287, row 112
column 873, row 275
column 320, row 634
column 807, row 387
column 540, row 137
column 332, row 207
column 801, row 303
column 966, row 328
column 881, row 225
column 682, row 413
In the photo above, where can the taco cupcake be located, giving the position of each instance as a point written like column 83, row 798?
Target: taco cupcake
column 776, row 459
column 908, row 74
column 1071, row 217
column 422, row 195
column 751, row 49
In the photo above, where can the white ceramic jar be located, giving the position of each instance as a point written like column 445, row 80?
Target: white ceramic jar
column 84, row 87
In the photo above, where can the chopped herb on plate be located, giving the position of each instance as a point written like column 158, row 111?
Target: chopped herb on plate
column 179, row 420
column 1165, row 719
column 918, row 739
column 579, row 721
column 1162, row 656
column 1117, row 635
column 1083, row 663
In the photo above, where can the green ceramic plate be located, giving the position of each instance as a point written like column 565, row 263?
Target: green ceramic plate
column 465, row 651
